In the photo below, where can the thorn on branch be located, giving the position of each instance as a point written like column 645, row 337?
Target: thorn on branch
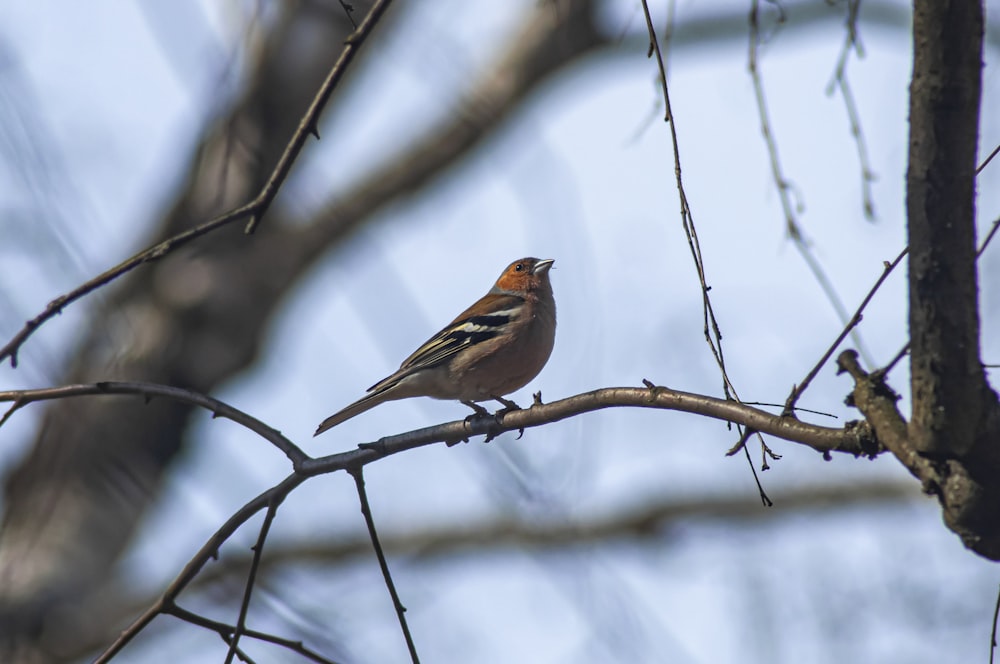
column 456, row 441
column 378, row 447
column 654, row 390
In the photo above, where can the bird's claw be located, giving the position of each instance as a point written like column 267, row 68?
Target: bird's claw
column 480, row 411
column 508, row 406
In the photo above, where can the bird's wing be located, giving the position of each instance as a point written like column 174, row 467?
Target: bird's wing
column 470, row 328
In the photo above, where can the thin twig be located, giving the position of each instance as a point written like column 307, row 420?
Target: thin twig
column 208, row 551
column 357, row 473
column 982, row 247
column 254, row 210
column 668, row 33
column 687, row 218
column 712, row 332
column 988, row 238
column 987, row 160
column 309, row 123
column 797, row 390
column 149, row 390
column 258, row 548
column 796, row 408
column 764, row 499
column 993, row 634
column 840, row 81
column 225, row 631
column 349, row 11
column 792, row 227
column 149, row 255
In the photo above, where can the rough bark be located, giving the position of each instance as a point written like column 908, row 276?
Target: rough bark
column 955, row 413
column 952, row 442
column 947, row 379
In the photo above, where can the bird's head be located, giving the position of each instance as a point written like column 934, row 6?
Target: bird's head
column 525, row 275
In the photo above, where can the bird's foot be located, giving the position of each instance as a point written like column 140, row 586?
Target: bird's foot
column 480, row 411
column 508, row 406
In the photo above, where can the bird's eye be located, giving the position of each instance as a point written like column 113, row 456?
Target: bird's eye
column 519, row 267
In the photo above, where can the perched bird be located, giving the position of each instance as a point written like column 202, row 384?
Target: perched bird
column 493, row 348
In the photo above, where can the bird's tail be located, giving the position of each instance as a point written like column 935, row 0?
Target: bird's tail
column 370, row 400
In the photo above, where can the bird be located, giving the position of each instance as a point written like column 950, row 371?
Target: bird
column 493, row 348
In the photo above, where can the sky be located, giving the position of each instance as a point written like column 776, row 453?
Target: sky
column 104, row 103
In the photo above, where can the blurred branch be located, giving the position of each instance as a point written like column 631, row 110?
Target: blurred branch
column 783, row 185
column 649, row 522
column 840, row 81
column 655, row 522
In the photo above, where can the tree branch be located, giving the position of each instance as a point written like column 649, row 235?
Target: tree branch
column 255, row 209
column 21, row 398
column 948, row 383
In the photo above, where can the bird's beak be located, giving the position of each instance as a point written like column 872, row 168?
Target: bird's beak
column 542, row 266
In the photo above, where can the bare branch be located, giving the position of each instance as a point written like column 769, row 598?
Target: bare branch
column 979, row 252
column 357, row 473
column 226, row 631
column 988, row 159
column 784, row 187
column 877, row 401
column 993, row 633
column 840, row 81
column 20, row 398
column 713, row 338
column 854, row 439
column 308, row 125
column 258, row 549
column 255, row 209
column 850, row 439
column 209, row 551
column 797, row 391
